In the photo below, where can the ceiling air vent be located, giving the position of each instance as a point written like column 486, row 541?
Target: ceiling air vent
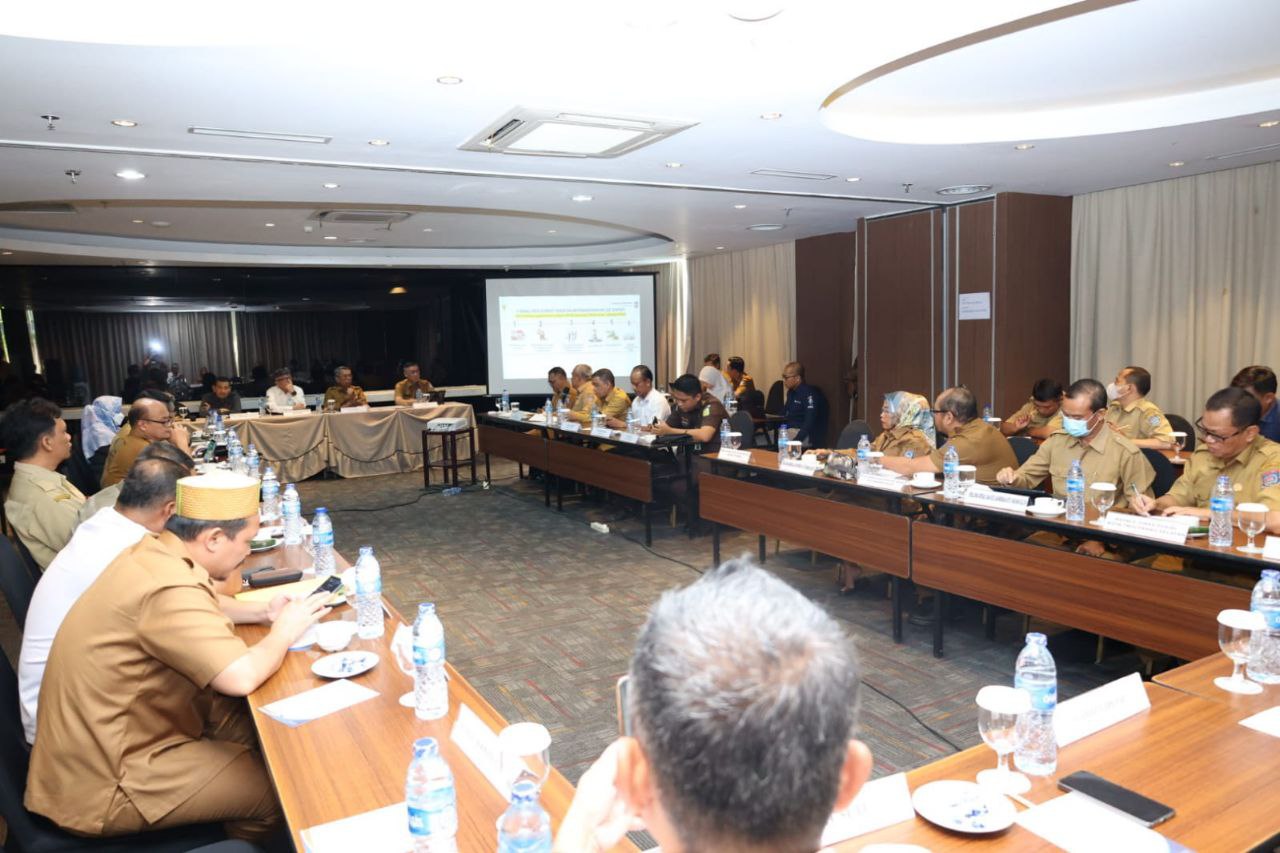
column 783, row 173
column 37, row 207
column 1246, row 152
column 377, row 218
column 550, row 133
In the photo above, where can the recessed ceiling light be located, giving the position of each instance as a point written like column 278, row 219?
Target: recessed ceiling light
column 769, row 226
column 379, row 142
column 1272, row 123
column 6, row 252
column 753, row 11
column 1176, row 163
column 964, row 189
column 428, row 229
column 398, row 290
column 130, row 174
column 739, row 207
column 448, row 80
column 853, row 180
column 268, row 225
column 331, row 186
column 124, row 122
column 136, row 221
column 551, row 230
column 770, row 116
column 330, row 237
column 581, row 197
column 673, row 165
column 160, row 223
column 719, row 248
column 1023, row 146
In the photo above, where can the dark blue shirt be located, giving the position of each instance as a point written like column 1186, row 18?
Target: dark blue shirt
column 1269, row 426
column 806, row 411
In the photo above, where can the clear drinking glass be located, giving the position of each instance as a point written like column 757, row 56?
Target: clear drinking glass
column 998, row 710
column 526, row 754
column 1179, row 441
column 1235, row 628
column 1103, row 498
column 968, row 476
column 1252, row 520
column 402, row 651
column 733, row 440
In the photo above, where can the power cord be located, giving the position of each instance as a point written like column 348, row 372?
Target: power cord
column 930, row 729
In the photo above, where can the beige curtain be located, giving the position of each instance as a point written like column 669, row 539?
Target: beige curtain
column 1181, row 277
column 744, row 303
column 671, row 309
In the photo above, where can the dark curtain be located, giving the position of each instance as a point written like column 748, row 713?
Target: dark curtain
column 103, row 345
column 272, row 339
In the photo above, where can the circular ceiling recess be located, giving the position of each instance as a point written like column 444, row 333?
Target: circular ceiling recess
column 1114, row 69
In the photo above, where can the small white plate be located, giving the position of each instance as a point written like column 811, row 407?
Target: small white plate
column 963, row 807
column 1047, row 513
column 345, row 664
column 267, row 544
column 932, row 484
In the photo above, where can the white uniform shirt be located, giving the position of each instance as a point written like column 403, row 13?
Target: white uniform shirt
column 94, row 545
column 653, row 405
column 281, row 401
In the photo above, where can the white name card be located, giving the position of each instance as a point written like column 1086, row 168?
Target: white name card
column 386, row 828
column 570, row 426
column 601, row 432
column 741, row 457
column 351, row 410
column 243, row 416
column 1271, row 548
column 881, row 803
column 1267, row 722
column 1101, row 707
column 480, row 744
column 991, row 499
column 629, row 437
column 426, row 404
column 807, row 469
column 883, row 482
column 647, row 438
column 1171, row 529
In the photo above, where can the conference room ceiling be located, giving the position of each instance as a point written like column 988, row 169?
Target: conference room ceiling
column 864, row 110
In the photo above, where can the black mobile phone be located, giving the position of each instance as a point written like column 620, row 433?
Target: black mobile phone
column 622, row 693
column 333, row 583
column 1146, row 810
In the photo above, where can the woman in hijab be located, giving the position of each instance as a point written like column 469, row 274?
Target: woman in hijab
column 714, row 383
column 98, row 426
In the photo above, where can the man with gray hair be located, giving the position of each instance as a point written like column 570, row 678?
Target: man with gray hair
column 743, row 706
column 977, row 443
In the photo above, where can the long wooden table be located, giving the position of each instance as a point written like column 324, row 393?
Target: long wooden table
column 1197, row 678
column 356, row 760
column 1186, row 752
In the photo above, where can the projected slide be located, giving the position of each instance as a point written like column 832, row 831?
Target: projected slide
column 537, row 324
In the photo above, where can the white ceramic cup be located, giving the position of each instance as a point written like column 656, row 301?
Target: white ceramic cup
column 1048, row 505
column 335, row 635
column 923, row 478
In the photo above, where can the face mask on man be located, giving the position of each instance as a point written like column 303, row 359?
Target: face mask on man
column 1113, row 391
column 1075, row 427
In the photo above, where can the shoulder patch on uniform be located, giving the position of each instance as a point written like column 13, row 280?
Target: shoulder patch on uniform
column 910, row 454
column 1154, row 420
column 706, row 411
column 1271, row 478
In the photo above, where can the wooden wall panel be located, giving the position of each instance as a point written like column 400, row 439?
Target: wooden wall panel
column 824, row 321
column 972, row 258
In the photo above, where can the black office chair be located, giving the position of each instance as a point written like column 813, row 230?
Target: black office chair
column 78, row 471
column 1165, row 474
column 776, row 400
column 852, row 434
column 16, row 581
column 1180, row 424
column 753, row 403
column 23, row 551
column 741, row 423
column 31, row 833
column 1023, row 447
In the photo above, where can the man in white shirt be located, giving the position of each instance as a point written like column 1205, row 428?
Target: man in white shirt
column 146, row 501
column 650, row 405
column 285, row 396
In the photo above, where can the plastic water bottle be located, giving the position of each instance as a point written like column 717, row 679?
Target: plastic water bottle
column 252, row 463
column 291, row 509
column 451, row 491
column 369, row 624
column 547, row 410
column 864, row 456
column 525, row 827
column 1036, row 673
column 631, row 421
column 211, row 450
column 1221, row 503
column 1075, row 492
column 322, row 542
column 1264, row 645
column 951, row 473
column 417, row 394
column 986, row 412
column 235, row 456
column 262, row 407
column 724, row 433
column 431, row 798
column 782, row 442
column 506, row 401
column 270, row 494
column 430, row 687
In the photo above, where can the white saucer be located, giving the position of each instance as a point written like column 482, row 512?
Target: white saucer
column 1050, row 514
column 345, row 664
column 933, row 484
column 963, row 807
column 306, row 641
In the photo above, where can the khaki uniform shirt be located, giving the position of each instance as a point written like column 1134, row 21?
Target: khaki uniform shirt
column 405, row 389
column 99, row 500
column 903, row 441
column 1109, row 458
column 42, row 507
column 125, row 698
column 120, row 457
column 1037, row 420
column 614, row 406
column 982, row 445
column 747, row 384
column 1140, row 419
column 1254, row 473
column 353, row 396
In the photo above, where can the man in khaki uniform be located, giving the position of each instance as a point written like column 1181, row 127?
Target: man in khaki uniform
column 739, row 379
column 1230, row 445
column 149, row 420
column 611, row 400
column 1134, row 416
column 344, row 394
column 1105, row 456
column 140, row 734
column 1040, row 416
column 977, row 442
column 42, row 505
column 562, row 391
column 580, row 379
column 407, row 389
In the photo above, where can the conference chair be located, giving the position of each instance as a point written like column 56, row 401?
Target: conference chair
column 1023, row 447
column 776, row 400
column 32, row 566
column 79, row 472
column 741, row 423
column 852, row 434
column 1181, row 424
column 1165, row 475
column 16, row 581
column 31, row 833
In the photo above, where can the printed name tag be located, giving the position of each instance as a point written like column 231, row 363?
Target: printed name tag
column 807, row 470
column 571, row 426
column 647, row 439
column 426, row 404
column 1169, row 529
column 351, row 410
column 991, row 499
column 879, row 481
column 601, row 432
column 629, row 437
column 742, row 457
column 1271, row 548
column 1099, row 708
